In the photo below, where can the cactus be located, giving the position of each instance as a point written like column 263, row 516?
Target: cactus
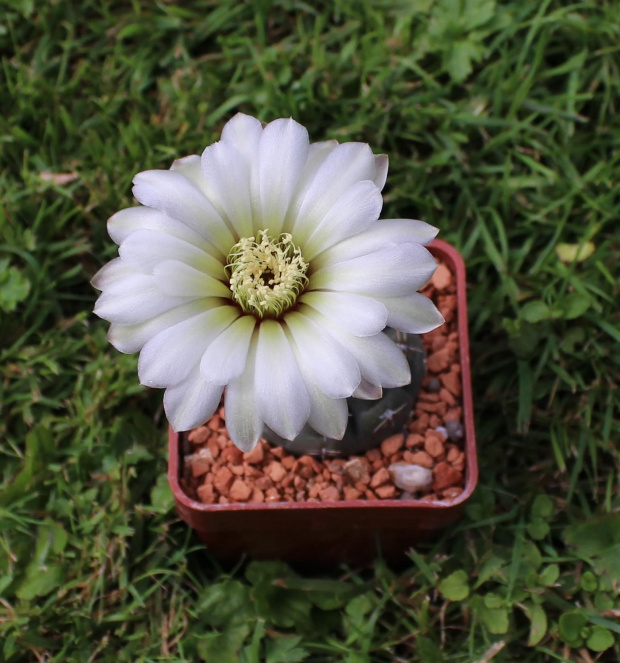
column 370, row 422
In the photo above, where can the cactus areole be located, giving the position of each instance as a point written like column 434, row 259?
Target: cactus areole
column 260, row 273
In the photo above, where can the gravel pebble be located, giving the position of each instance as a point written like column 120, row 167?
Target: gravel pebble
column 411, row 478
column 199, row 435
column 380, row 477
column 433, row 386
column 386, row 492
column 421, row 458
column 357, row 470
column 329, row 494
column 455, row 430
column 223, row 480
column 256, row 456
column 442, row 278
column 445, row 476
column 239, row 491
column 392, row 444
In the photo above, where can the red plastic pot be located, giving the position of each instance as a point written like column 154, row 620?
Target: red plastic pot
column 329, row 533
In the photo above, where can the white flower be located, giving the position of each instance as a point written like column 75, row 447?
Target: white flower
column 261, row 270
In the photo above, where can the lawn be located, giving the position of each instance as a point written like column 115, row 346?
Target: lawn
column 502, row 127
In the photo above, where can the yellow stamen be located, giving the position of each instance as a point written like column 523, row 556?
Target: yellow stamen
column 266, row 275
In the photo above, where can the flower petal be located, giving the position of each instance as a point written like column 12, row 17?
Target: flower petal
column 380, row 360
column 227, row 179
column 123, row 223
column 112, row 272
column 414, row 314
column 281, row 394
column 243, row 132
column 282, row 154
column 243, row 421
column 171, row 192
column 225, row 358
column 361, row 316
column 380, row 235
column 368, row 391
column 317, row 153
column 328, row 416
column 177, row 278
column 389, row 272
column 191, row 168
column 168, row 358
column 355, row 211
column 322, row 359
column 143, row 250
column 134, row 299
column 381, row 165
column 345, row 165
column 191, row 402
column 131, row 338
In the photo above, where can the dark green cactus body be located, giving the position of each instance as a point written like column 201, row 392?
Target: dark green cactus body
column 370, row 422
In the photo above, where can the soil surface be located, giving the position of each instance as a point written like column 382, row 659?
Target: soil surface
column 216, row 472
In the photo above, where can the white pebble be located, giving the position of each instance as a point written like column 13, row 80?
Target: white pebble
column 410, row 477
column 204, row 453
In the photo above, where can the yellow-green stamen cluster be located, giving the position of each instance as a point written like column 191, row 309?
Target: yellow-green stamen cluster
column 266, row 275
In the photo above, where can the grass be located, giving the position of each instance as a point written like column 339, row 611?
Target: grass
column 501, row 122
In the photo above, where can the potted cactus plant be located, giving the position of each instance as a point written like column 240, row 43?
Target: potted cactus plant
column 266, row 297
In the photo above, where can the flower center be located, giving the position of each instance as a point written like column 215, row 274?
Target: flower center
column 266, row 275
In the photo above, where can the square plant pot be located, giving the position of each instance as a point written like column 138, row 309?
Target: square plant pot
column 351, row 531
